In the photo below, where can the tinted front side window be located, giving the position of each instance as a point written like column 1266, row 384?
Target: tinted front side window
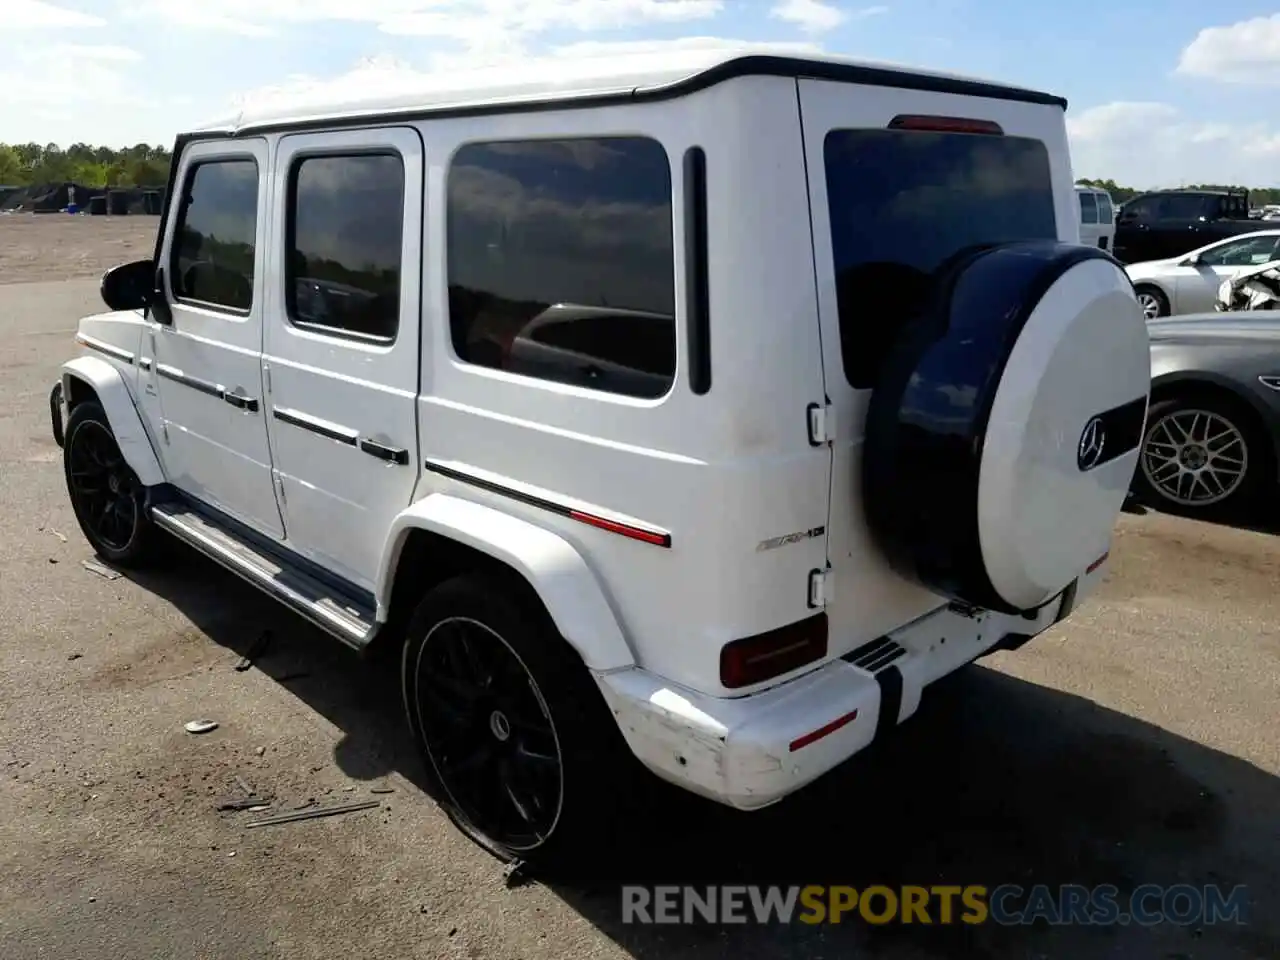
column 346, row 222
column 1241, row 253
column 215, row 242
column 1184, row 207
column 561, row 261
column 1088, row 208
column 902, row 203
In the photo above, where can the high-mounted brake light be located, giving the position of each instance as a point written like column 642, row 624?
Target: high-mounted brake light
column 755, row 659
column 945, row 124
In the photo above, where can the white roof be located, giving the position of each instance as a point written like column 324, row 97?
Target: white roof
column 386, row 90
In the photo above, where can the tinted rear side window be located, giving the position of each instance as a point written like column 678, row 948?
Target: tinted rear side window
column 346, row 224
column 1106, row 213
column 904, row 202
column 561, row 261
column 216, row 239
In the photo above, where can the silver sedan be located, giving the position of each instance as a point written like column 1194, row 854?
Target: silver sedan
column 1189, row 283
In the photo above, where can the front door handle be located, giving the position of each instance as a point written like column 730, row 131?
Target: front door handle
column 240, row 402
column 384, row 452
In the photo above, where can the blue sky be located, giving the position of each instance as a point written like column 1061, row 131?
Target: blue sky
column 1161, row 91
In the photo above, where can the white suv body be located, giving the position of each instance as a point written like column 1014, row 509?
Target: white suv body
column 644, row 343
column 1097, row 217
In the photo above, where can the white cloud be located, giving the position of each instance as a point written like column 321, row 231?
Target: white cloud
column 604, row 48
column 812, row 16
column 817, row 16
column 473, row 22
column 38, row 15
column 1243, row 52
column 1148, row 144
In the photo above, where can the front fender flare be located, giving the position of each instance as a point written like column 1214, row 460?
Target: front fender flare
column 558, row 574
column 126, row 423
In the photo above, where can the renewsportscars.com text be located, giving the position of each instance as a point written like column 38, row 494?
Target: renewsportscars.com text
column 1008, row 905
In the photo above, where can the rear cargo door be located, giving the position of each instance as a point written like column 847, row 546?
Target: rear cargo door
column 889, row 202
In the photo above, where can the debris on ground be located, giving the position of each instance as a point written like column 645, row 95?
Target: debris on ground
column 516, row 875
column 260, row 750
column 382, row 789
column 93, row 566
column 201, row 726
column 243, row 785
column 245, row 803
column 314, row 813
column 74, row 656
column 255, row 650
column 56, row 534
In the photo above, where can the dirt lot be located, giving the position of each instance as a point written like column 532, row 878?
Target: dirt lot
column 58, row 246
column 1138, row 743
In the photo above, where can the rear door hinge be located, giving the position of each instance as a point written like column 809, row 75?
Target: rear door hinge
column 819, row 582
column 821, row 422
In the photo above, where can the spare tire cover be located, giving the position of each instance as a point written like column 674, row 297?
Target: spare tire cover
column 1004, row 432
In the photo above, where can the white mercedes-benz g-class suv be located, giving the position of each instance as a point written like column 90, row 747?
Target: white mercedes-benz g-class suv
column 704, row 407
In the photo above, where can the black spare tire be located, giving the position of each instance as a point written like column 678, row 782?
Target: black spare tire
column 1004, row 430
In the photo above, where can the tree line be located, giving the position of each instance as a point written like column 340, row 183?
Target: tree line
column 142, row 165
column 1258, row 196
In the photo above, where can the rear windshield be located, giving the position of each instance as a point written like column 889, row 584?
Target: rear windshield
column 902, row 202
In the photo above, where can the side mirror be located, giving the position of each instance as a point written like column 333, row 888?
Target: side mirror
column 128, row 286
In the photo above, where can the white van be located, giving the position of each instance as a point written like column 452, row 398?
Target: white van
column 691, row 408
column 1097, row 217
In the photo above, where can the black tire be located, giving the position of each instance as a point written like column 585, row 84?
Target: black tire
column 1154, row 296
column 572, row 811
column 1157, row 488
column 108, row 498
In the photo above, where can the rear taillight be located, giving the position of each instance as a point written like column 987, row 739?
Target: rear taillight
column 945, row 124
column 753, row 660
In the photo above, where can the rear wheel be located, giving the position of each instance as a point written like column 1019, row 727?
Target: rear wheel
column 515, row 734
column 1202, row 455
column 1152, row 300
column 108, row 498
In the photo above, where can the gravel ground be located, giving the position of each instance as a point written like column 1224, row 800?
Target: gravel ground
column 1137, row 743
column 48, row 246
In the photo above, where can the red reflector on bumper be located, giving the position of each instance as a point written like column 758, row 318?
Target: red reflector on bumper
column 1097, row 563
column 830, row 728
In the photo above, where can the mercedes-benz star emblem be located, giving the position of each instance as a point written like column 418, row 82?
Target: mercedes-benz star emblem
column 1092, row 441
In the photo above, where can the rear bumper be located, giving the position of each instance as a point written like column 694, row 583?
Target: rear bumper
column 749, row 752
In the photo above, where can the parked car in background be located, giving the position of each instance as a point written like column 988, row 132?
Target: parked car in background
column 1097, row 217
column 1169, row 223
column 1189, row 283
column 1212, row 438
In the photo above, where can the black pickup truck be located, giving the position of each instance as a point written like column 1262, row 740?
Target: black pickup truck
column 1169, row 223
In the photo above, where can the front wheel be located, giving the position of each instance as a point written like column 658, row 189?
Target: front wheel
column 1202, row 455
column 516, row 736
column 108, row 498
column 1153, row 301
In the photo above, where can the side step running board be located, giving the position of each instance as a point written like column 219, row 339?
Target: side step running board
column 301, row 592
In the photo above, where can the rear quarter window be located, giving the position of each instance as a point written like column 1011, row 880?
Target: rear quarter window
column 902, row 203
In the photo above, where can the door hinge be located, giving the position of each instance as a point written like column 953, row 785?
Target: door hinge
column 819, row 581
column 821, row 422
column 266, row 376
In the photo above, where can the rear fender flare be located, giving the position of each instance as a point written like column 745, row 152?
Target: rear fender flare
column 126, row 423
column 567, row 587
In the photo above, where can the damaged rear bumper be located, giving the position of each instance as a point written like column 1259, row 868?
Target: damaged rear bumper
column 749, row 752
